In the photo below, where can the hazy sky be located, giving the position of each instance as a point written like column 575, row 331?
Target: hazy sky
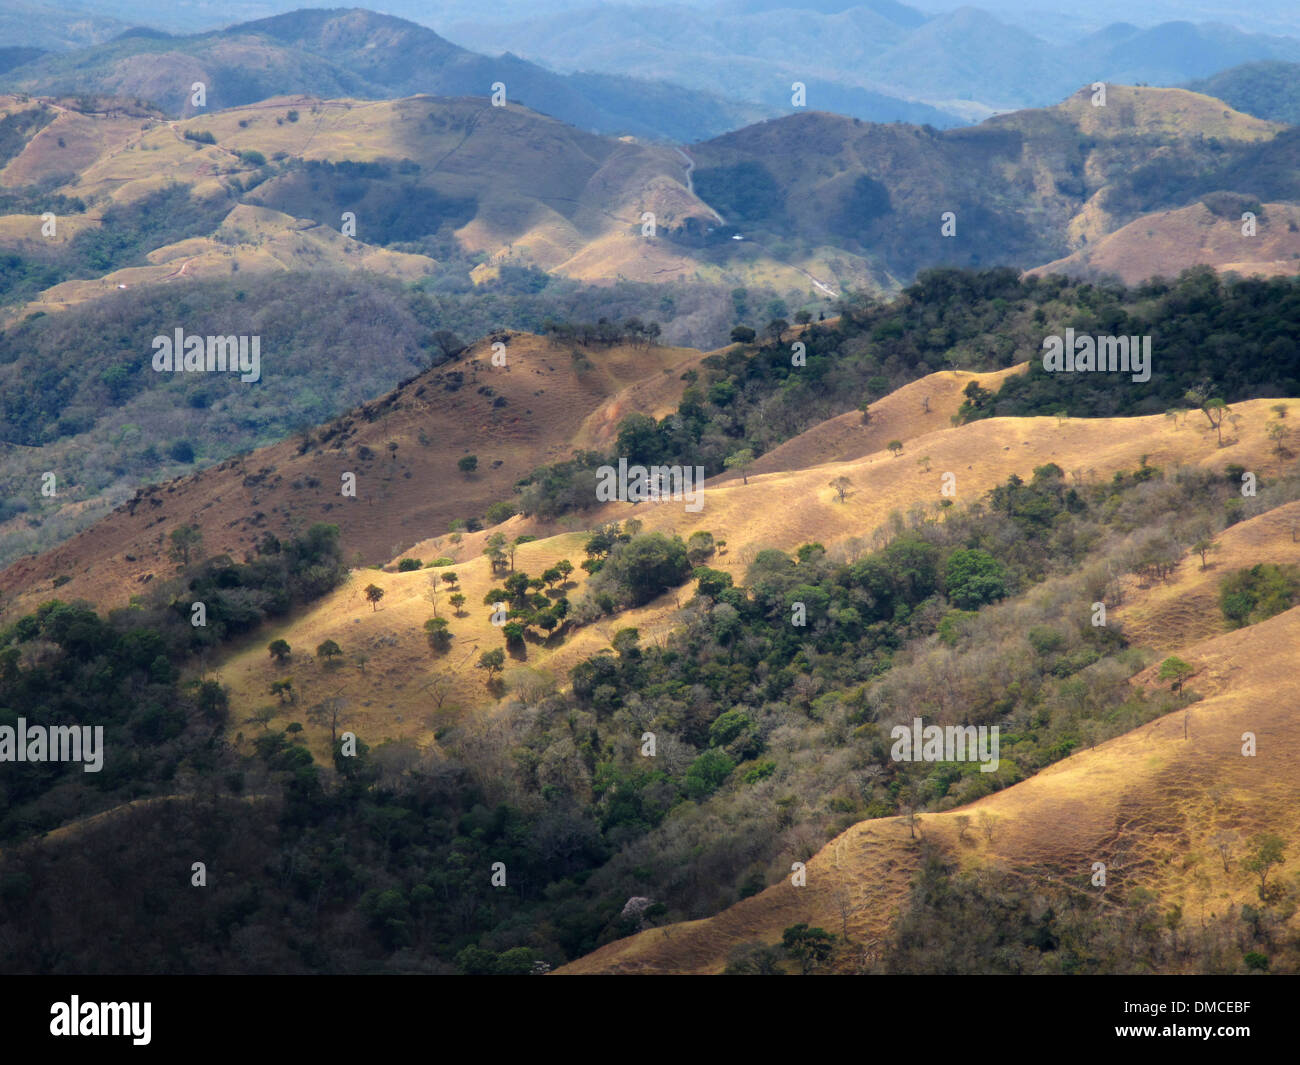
column 1063, row 19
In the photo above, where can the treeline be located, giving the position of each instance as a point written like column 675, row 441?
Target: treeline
column 1234, row 337
column 1230, row 339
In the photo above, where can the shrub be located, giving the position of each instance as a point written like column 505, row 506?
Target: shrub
column 1258, row 593
column 706, row 774
column 438, row 633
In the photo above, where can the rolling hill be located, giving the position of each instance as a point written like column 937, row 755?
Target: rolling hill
column 1156, row 805
column 1067, row 176
column 358, row 53
column 1269, row 89
column 969, row 61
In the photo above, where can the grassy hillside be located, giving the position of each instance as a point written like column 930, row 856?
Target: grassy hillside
column 1164, row 243
column 1171, row 816
column 771, row 755
column 403, row 447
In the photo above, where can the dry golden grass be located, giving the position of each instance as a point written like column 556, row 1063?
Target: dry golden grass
column 901, row 415
column 1168, row 242
column 547, row 194
column 86, row 140
column 250, row 241
column 1148, row 804
column 785, row 509
column 1170, row 615
column 775, row 510
column 1147, row 111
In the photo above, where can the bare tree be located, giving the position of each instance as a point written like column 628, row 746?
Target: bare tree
column 330, row 712
column 988, row 825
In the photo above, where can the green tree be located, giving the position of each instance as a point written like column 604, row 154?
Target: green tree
column 328, row 650
column 279, row 650
column 648, row 566
column 740, row 460
column 895, row 446
column 700, row 547
column 374, row 593
column 493, row 661
column 467, row 464
column 457, row 601
column 712, row 582
column 514, row 546
column 810, row 947
column 495, row 549
column 1265, row 851
column 1278, row 433
column 705, row 775
column 973, row 578
column 1175, row 669
column 439, row 634
column 186, row 541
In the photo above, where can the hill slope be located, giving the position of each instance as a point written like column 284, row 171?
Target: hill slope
column 1149, row 804
column 1167, row 242
column 510, row 417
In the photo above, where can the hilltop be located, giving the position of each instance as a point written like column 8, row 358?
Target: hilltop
column 1068, row 175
